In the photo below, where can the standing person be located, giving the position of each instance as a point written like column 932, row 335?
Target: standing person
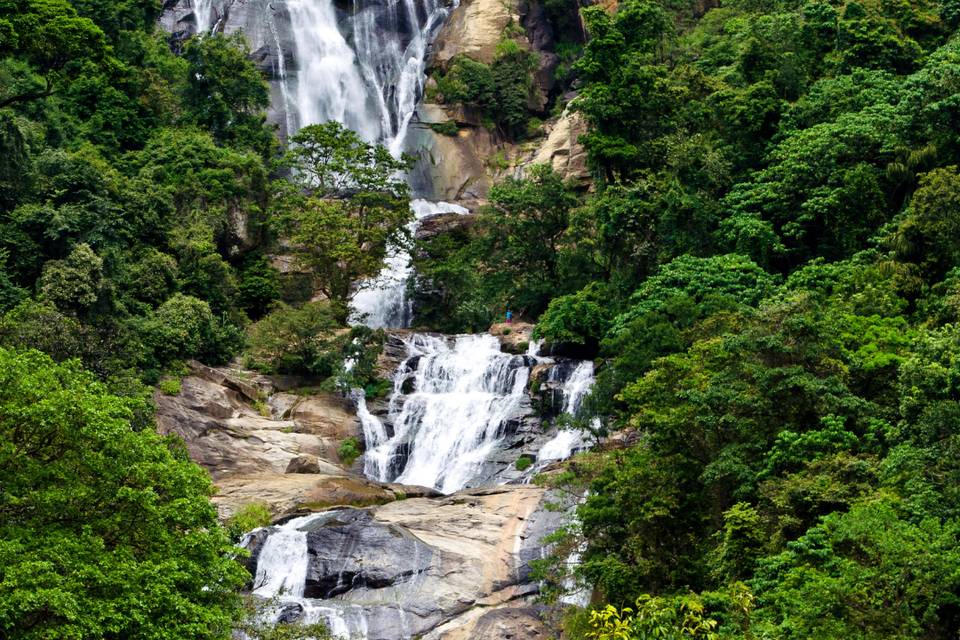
column 509, row 316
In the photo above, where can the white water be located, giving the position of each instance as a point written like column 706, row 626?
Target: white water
column 372, row 82
column 463, row 396
column 282, row 564
column 575, row 389
column 203, row 14
column 382, row 301
column 329, row 83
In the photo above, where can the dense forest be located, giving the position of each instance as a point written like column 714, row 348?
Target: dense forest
column 765, row 268
column 767, row 273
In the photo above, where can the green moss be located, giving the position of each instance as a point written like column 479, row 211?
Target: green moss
column 523, row 463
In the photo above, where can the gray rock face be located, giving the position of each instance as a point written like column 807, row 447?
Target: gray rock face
column 266, row 25
column 352, row 550
column 451, row 567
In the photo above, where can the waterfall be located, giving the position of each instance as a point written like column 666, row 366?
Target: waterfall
column 365, row 69
column 282, row 564
column 203, row 15
column 464, row 396
column 574, row 390
column 329, row 83
column 382, row 301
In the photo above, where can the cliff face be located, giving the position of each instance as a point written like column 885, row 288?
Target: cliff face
column 265, row 24
column 450, row 167
column 465, row 164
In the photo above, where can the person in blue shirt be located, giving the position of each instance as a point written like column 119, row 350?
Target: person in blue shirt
column 509, row 316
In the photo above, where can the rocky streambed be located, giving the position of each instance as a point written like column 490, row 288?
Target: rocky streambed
column 377, row 559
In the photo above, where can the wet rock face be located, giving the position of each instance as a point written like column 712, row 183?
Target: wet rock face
column 352, row 550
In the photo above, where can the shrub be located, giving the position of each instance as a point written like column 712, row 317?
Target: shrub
column 523, row 463
column 184, row 327
column 349, row 451
column 296, row 340
column 500, row 90
column 448, row 128
column 247, row 518
column 169, row 386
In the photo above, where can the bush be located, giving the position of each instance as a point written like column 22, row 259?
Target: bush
column 448, row 128
column 184, row 327
column 580, row 318
column 500, row 90
column 295, row 340
column 523, row 463
column 170, row 386
column 247, row 518
column 349, row 451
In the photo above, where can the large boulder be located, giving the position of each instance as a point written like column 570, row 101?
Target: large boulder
column 514, row 337
column 298, row 492
column 453, row 567
column 352, row 549
column 562, row 150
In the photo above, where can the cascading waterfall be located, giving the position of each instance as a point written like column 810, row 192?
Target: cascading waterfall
column 574, row 390
column 455, row 400
column 371, row 83
column 382, row 302
column 329, row 83
column 282, row 564
column 203, row 15
column 464, row 396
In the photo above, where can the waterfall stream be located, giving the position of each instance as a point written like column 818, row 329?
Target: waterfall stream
column 574, row 390
column 382, row 302
column 465, row 393
column 456, row 402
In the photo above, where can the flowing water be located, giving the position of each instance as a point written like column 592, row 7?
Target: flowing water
column 464, row 394
column 360, row 63
column 574, row 389
column 382, row 302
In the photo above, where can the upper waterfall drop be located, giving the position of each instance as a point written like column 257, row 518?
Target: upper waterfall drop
column 361, row 65
column 329, row 82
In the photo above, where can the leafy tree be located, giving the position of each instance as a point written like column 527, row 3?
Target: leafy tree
column 226, row 93
column 863, row 574
column 185, row 327
column 94, row 512
column 523, row 240
column 357, row 209
column 73, row 284
column 292, row 340
column 51, row 37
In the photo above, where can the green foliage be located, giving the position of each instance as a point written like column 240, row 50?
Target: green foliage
column 581, row 318
column 356, row 211
column 523, row 463
column 500, row 90
column 296, row 340
column 75, row 283
column 184, row 327
column 225, row 92
column 349, row 451
column 448, row 128
column 92, row 511
column 169, row 386
column 247, row 518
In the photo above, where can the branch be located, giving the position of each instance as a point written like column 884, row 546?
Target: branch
column 33, row 95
